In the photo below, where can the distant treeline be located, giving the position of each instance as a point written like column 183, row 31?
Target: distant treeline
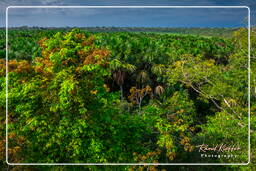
column 224, row 32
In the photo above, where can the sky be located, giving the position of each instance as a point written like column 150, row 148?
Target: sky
column 127, row 17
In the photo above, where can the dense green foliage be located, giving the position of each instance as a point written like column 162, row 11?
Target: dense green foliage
column 125, row 97
column 22, row 44
column 207, row 31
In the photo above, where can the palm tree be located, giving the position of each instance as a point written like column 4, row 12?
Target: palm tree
column 159, row 90
column 142, row 77
column 120, row 71
column 119, row 77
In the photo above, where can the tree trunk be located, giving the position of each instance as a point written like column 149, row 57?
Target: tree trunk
column 121, row 91
column 140, row 103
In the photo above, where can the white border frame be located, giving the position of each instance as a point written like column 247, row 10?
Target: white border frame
column 249, row 71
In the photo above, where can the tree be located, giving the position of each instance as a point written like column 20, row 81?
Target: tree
column 137, row 95
column 120, row 71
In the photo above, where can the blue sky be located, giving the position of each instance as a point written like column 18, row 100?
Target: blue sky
column 128, row 17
